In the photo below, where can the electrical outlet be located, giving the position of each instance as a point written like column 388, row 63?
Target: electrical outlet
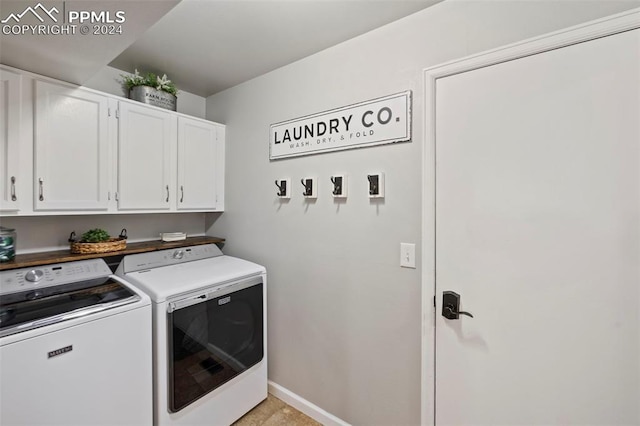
column 407, row 255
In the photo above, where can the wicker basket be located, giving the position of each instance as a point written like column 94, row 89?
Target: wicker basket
column 113, row 244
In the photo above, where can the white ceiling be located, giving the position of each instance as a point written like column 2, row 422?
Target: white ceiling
column 204, row 46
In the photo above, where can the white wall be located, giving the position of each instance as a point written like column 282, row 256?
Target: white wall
column 344, row 318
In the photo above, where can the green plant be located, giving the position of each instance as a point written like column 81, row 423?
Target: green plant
column 95, row 236
column 149, row 79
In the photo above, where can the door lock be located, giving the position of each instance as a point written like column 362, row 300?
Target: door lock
column 451, row 306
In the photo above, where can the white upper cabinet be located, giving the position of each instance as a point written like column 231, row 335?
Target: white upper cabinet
column 67, row 150
column 70, row 148
column 146, row 158
column 11, row 185
column 198, row 164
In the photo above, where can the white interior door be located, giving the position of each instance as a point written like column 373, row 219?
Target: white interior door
column 538, row 230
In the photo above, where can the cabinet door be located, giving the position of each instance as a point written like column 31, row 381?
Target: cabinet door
column 10, row 105
column 197, row 165
column 220, row 167
column 70, row 147
column 146, row 158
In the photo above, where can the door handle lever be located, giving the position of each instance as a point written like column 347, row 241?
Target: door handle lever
column 451, row 306
column 450, row 312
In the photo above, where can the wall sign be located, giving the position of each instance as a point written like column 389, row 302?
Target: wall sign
column 375, row 122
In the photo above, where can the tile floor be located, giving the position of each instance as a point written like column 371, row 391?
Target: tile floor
column 274, row 412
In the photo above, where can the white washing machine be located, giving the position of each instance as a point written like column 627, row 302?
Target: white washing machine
column 209, row 333
column 75, row 347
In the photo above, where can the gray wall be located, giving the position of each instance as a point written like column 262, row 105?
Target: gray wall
column 344, row 318
column 46, row 233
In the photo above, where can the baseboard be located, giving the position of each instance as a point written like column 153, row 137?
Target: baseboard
column 301, row 404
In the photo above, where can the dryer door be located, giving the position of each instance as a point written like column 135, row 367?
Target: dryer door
column 213, row 337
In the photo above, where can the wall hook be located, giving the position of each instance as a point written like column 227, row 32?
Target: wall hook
column 373, row 184
column 284, row 186
column 309, row 187
column 339, row 186
column 376, row 185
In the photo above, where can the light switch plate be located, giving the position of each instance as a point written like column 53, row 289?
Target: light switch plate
column 407, row 255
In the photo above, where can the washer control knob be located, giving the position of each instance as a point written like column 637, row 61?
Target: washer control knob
column 178, row 254
column 34, row 275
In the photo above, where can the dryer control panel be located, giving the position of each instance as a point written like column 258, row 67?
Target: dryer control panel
column 155, row 259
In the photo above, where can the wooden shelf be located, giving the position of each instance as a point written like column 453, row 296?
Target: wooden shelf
column 45, row 258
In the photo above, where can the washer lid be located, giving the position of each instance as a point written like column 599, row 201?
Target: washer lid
column 38, row 307
column 169, row 282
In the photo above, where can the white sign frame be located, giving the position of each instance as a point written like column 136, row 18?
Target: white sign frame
column 379, row 121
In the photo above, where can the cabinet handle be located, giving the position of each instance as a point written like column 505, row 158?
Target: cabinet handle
column 181, row 193
column 116, row 196
column 41, row 181
column 167, row 194
column 13, row 189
